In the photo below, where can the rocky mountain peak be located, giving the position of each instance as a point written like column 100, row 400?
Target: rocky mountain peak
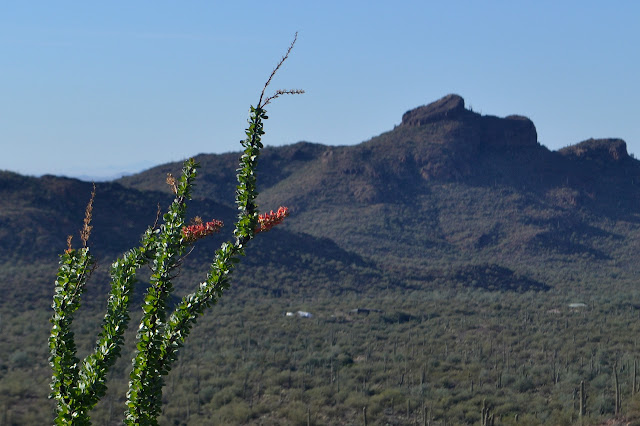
column 449, row 107
column 479, row 130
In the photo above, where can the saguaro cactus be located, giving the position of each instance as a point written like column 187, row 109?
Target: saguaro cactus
column 78, row 385
column 616, row 386
column 583, row 401
column 486, row 416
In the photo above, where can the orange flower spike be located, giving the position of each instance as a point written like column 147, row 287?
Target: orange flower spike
column 266, row 221
column 200, row 230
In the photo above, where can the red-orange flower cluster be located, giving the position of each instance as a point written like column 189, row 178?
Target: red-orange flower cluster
column 200, row 230
column 267, row 221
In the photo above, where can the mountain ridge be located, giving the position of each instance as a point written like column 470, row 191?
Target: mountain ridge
column 442, row 161
column 441, row 140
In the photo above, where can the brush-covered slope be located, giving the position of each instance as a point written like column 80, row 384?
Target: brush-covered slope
column 37, row 215
column 449, row 185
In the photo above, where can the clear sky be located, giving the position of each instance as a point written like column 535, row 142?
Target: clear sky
column 98, row 88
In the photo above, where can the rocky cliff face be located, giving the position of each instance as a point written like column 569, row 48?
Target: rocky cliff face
column 451, row 107
column 477, row 130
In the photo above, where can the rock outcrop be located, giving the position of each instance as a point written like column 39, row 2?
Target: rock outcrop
column 451, row 107
column 477, row 130
column 603, row 150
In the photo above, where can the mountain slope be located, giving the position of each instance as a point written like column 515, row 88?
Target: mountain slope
column 450, row 185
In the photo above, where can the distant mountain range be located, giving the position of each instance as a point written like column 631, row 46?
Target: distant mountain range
column 447, row 186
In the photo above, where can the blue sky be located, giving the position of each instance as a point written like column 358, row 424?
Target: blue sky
column 98, row 88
